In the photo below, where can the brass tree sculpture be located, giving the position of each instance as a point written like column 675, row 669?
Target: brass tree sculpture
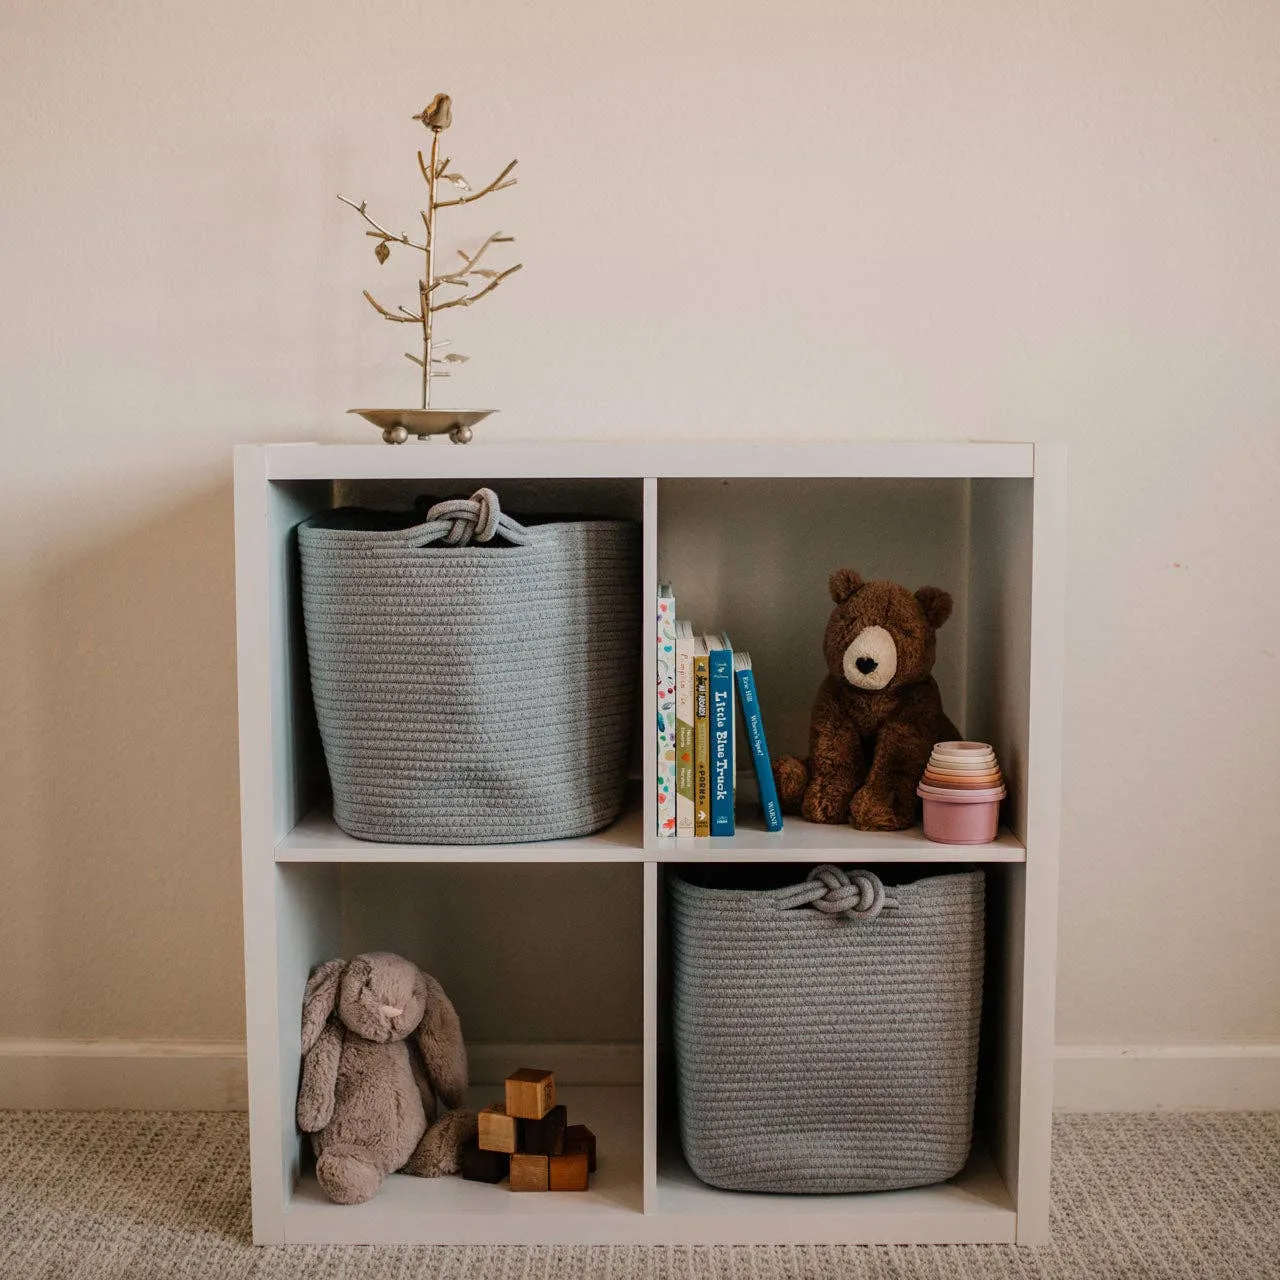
column 474, row 280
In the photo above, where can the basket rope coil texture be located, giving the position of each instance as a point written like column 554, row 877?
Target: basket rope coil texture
column 826, row 1033
column 474, row 678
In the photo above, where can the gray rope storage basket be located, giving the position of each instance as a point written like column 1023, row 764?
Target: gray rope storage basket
column 472, row 694
column 826, row 1032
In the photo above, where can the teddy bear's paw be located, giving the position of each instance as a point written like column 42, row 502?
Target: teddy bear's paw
column 824, row 802
column 347, row 1178
column 790, row 776
column 874, row 810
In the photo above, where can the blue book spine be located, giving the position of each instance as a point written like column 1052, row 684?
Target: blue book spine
column 720, row 715
column 759, row 748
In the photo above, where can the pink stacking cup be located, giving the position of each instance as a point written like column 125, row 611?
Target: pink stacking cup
column 961, row 816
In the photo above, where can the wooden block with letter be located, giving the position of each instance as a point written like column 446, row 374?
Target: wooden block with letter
column 478, row 1165
column 545, row 1137
column 528, row 1173
column 568, row 1172
column 577, row 1137
column 531, row 1093
column 497, row 1131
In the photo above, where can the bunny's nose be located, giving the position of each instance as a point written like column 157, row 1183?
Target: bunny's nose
column 391, row 1011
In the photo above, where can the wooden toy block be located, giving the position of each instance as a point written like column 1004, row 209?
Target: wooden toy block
column 577, row 1137
column 497, row 1131
column 531, row 1093
column 568, row 1172
column 477, row 1165
column 529, row 1173
column 545, row 1137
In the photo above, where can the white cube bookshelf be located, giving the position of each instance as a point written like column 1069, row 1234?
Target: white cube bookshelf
column 748, row 535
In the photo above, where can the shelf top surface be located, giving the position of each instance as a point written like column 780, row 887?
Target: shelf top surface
column 420, row 460
column 317, row 838
column 972, row 1206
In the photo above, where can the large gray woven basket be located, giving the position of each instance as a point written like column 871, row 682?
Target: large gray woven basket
column 472, row 694
column 826, row 1033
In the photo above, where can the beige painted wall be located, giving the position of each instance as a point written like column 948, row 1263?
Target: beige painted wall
column 838, row 217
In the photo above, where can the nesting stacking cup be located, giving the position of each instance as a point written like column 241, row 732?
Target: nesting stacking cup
column 962, row 788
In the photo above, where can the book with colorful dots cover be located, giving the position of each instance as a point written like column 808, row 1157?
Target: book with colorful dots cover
column 701, row 743
column 666, row 710
column 684, row 727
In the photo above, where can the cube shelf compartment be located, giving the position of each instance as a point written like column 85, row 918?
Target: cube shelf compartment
column 553, row 950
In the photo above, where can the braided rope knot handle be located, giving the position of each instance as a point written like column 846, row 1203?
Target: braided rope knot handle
column 857, row 896
column 460, row 521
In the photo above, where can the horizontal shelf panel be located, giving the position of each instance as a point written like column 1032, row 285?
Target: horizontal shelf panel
column 973, row 1207
column 453, row 1211
column 317, row 838
column 420, row 460
column 801, row 841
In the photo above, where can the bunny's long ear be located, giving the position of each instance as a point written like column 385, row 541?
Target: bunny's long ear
column 439, row 1038
column 319, row 1000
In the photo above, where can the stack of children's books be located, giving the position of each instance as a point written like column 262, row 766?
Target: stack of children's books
column 700, row 679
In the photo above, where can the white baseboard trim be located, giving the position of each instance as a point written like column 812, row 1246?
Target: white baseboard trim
column 125, row 1075
column 210, row 1075
column 1172, row 1077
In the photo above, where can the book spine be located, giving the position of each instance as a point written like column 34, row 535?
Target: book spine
column 720, row 691
column 701, row 750
column 684, row 735
column 754, row 723
column 666, row 712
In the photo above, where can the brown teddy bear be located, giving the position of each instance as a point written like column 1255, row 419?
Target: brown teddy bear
column 878, row 712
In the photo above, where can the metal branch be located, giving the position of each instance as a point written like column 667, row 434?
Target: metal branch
column 407, row 318
column 475, row 297
column 441, row 166
column 380, row 232
column 496, row 185
column 470, row 261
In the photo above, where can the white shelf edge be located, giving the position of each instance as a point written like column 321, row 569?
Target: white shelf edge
column 891, row 459
column 318, row 839
column 801, row 841
column 974, row 1207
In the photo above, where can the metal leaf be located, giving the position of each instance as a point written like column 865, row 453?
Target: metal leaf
column 455, row 357
column 458, row 181
column 382, row 253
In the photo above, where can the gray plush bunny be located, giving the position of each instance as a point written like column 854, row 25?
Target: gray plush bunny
column 368, row 1095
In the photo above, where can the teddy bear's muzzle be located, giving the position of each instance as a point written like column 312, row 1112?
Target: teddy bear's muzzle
column 871, row 661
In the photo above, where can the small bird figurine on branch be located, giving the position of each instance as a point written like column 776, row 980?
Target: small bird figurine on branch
column 438, row 289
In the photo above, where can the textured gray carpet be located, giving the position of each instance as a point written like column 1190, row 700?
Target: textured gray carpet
column 143, row 1195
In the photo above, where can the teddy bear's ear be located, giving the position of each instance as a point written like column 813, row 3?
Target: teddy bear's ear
column 843, row 583
column 936, row 604
column 319, row 999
